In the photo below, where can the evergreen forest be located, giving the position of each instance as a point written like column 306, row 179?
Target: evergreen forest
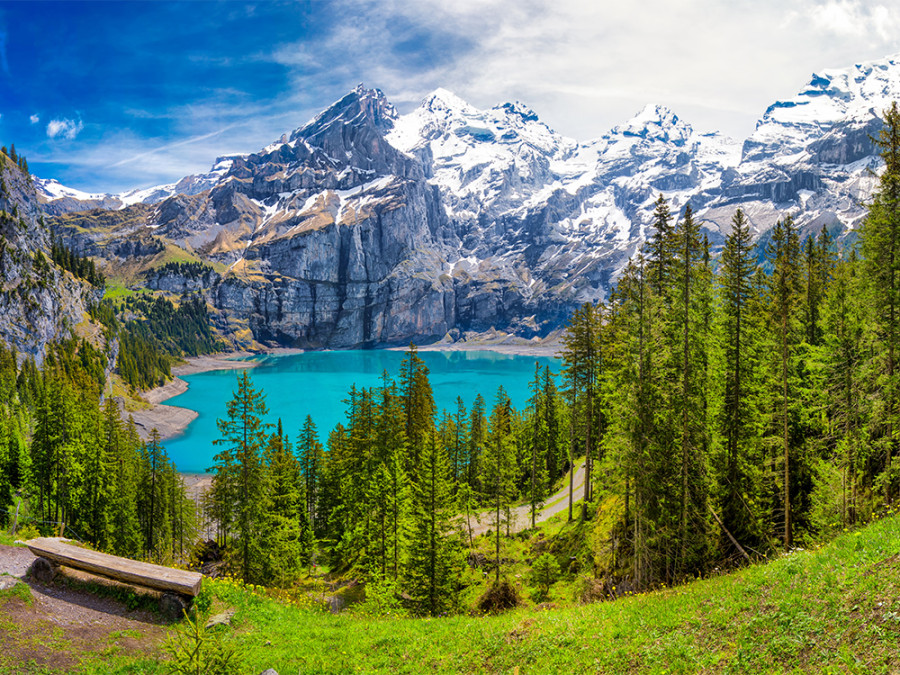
column 725, row 408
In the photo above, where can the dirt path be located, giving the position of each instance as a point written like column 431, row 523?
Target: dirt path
column 63, row 623
column 521, row 515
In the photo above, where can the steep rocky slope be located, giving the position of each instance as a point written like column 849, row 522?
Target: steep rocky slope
column 365, row 227
column 39, row 302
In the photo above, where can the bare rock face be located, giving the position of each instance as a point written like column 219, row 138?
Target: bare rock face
column 39, row 302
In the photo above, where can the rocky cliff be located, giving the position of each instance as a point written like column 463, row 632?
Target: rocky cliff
column 39, row 302
column 366, row 227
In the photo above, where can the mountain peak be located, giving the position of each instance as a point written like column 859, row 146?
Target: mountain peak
column 444, row 100
column 656, row 122
column 359, row 107
column 520, row 109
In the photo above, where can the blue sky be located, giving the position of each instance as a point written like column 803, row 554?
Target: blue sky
column 106, row 96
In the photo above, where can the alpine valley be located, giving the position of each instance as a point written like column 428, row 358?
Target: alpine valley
column 365, row 227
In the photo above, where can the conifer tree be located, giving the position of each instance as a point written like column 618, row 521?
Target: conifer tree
column 433, row 566
column 312, row 459
column 498, row 461
column 288, row 533
column 660, row 247
column 843, row 320
column 736, row 286
column 476, row 444
column 418, row 403
column 538, row 445
column 691, row 284
column 239, row 476
column 783, row 255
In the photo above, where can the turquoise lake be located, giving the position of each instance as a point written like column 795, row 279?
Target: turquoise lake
column 317, row 383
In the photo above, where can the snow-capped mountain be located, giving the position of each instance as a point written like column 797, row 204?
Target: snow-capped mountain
column 365, row 226
column 59, row 198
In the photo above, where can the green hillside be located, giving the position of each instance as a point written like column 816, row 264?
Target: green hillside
column 835, row 609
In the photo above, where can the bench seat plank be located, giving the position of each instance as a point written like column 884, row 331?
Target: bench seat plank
column 121, row 569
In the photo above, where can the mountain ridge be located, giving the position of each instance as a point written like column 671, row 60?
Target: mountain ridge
column 455, row 218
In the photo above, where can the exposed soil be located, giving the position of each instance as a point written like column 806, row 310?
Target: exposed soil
column 498, row 341
column 64, row 622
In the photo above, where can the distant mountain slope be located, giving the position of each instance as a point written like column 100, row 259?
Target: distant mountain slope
column 364, row 227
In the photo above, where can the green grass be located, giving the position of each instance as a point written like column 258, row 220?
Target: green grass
column 20, row 591
column 117, row 290
column 831, row 610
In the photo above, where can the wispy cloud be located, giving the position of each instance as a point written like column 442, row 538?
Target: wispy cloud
column 236, row 80
column 64, row 128
column 34, row 119
column 585, row 67
column 170, row 146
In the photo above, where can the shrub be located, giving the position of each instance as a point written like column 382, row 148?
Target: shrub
column 544, row 573
column 498, row 598
column 195, row 651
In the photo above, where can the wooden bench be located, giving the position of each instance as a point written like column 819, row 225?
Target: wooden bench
column 179, row 587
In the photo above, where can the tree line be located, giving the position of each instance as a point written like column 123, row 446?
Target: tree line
column 152, row 332
column 82, row 267
column 739, row 406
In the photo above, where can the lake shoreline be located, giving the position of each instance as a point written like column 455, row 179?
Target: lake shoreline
column 171, row 421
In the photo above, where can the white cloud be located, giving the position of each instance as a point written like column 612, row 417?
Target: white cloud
column 64, row 128
column 851, row 18
column 587, row 65
column 583, row 65
column 34, row 119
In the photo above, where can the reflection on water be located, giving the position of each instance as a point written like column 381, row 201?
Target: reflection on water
column 316, row 383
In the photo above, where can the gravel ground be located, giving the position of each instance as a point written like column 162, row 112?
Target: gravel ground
column 64, row 622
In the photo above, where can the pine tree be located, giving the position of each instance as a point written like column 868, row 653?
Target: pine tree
column 538, row 445
column 691, row 285
column 843, row 319
column 153, row 502
column 418, row 403
column 312, row 459
column 433, row 566
column 579, row 375
column 240, row 477
column 783, row 255
column 736, row 287
column 498, row 462
column 477, row 441
column 660, row 248
column 288, row 533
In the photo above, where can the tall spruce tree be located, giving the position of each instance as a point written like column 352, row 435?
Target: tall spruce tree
column 312, row 458
column 498, row 462
column 783, row 254
column 240, row 475
column 737, row 419
column 433, row 565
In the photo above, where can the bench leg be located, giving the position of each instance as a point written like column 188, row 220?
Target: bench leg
column 44, row 570
column 173, row 606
